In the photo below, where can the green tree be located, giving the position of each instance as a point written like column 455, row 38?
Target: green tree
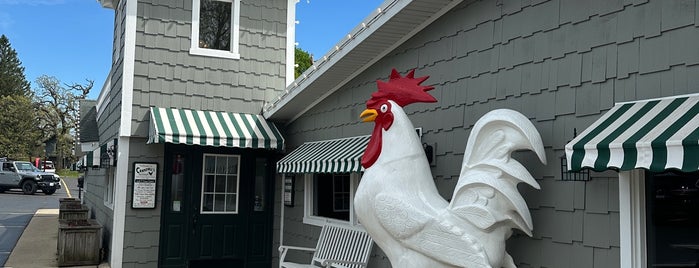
column 58, row 112
column 303, row 61
column 12, row 79
column 18, row 124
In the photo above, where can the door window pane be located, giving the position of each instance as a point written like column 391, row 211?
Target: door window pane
column 177, row 184
column 219, row 202
column 231, row 202
column 209, row 164
column 260, row 184
column 207, row 202
column 209, row 183
column 220, row 185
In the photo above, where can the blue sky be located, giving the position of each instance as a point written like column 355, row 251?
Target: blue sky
column 72, row 39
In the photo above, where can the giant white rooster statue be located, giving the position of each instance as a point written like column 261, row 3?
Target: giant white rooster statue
column 397, row 201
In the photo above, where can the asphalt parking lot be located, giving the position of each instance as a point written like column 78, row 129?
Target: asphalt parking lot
column 17, row 210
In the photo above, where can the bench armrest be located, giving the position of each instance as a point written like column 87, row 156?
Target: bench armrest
column 328, row 263
column 285, row 248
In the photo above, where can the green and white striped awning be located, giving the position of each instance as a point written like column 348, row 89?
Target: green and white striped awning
column 328, row 156
column 656, row 134
column 207, row 128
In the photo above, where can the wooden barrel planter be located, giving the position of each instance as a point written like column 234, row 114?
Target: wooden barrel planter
column 73, row 211
column 67, row 200
column 79, row 242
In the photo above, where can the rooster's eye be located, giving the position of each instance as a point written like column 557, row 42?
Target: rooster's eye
column 384, row 108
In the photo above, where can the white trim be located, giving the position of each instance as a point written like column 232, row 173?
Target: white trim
column 122, row 168
column 281, row 208
column 632, row 219
column 129, row 62
column 234, row 53
column 119, row 207
column 290, row 41
column 104, row 97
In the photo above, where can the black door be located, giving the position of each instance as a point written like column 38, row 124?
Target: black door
column 217, row 208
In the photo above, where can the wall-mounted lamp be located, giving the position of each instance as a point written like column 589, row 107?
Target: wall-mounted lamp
column 429, row 152
column 112, row 152
column 105, row 161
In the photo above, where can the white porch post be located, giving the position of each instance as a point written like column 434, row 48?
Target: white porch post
column 632, row 219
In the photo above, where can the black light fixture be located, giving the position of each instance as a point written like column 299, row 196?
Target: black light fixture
column 429, row 152
column 105, row 160
column 566, row 175
column 112, row 153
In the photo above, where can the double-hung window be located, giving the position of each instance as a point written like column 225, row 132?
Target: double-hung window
column 329, row 197
column 215, row 30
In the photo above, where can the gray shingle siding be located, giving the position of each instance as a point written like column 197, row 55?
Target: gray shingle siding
column 166, row 75
column 142, row 226
column 561, row 63
column 93, row 196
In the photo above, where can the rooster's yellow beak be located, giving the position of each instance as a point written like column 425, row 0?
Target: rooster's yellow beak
column 368, row 115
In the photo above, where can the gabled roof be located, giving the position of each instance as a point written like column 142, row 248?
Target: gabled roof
column 88, row 121
column 394, row 22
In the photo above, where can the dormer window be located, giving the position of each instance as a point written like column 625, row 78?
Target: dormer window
column 215, row 28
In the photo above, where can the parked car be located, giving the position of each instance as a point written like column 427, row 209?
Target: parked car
column 23, row 175
column 47, row 166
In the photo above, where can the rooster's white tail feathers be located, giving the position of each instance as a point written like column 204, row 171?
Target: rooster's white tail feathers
column 488, row 167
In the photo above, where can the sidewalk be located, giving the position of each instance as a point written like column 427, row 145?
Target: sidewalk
column 37, row 245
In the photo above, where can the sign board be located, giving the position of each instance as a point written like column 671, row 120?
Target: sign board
column 289, row 190
column 145, row 177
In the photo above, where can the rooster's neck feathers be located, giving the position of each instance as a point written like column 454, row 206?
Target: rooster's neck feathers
column 402, row 90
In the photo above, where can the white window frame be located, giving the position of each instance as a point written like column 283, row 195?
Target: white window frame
column 235, row 32
column 632, row 218
column 203, row 180
column 309, row 218
column 108, row 197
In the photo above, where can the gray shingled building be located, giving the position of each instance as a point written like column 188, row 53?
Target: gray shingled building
column 167, row 194
column 563, row 64
column 209, row 113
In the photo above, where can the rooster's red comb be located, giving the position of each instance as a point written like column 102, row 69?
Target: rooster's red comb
column 402, row 90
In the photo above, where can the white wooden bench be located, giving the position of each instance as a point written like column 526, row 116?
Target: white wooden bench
column 338, row 246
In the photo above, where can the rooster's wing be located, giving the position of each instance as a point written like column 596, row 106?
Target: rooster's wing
column 437, row 239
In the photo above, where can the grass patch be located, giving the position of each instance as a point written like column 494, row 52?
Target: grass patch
column 67, row 173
